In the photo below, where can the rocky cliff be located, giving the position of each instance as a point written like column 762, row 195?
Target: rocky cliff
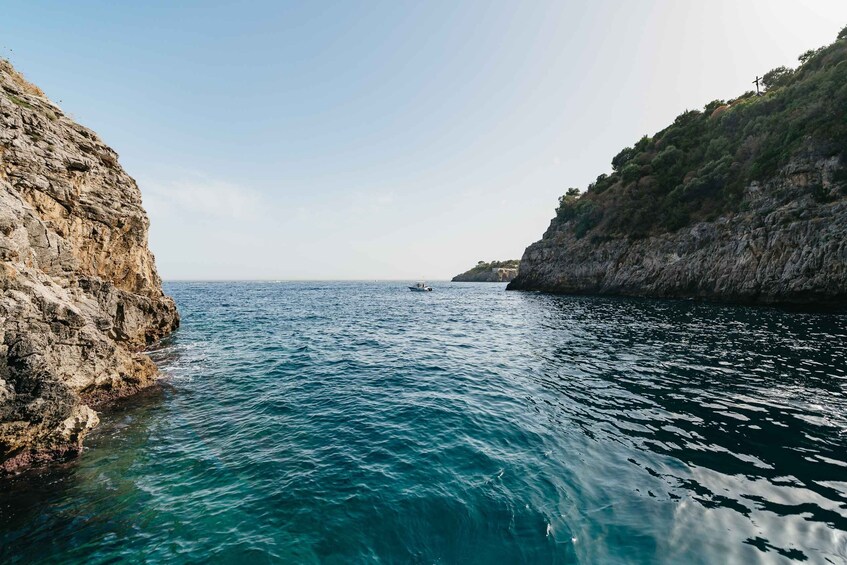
column 745, row 201
column 785, row 247
column 495, row 271
column 80, row 298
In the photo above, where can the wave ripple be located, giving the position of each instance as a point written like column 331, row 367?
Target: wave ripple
column 359, row 422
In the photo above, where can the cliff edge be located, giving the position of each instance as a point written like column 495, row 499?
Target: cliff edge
column 745, row 201
column 80, row 298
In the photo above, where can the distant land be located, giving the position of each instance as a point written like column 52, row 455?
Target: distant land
column 495, row 271
column 744, row 201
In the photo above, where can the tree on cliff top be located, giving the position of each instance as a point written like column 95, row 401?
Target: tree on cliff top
column 779, row 76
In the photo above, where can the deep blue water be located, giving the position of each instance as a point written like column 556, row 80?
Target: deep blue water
column 359, row 422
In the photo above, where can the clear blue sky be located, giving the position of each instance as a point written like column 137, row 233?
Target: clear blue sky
column 383, row 139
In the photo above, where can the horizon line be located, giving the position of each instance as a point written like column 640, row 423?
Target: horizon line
column 303, row 280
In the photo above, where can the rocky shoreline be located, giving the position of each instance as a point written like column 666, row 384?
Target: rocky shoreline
column 80, row 298
column 788, row 246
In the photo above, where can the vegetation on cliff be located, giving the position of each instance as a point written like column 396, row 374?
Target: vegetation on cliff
column 758, row 183
column 697, row 168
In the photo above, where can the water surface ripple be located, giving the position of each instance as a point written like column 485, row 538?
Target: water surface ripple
column 359, row 422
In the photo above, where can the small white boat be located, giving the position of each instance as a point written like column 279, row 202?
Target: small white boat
column 420, row 287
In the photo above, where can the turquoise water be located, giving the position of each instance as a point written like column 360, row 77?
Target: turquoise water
column 363, row 423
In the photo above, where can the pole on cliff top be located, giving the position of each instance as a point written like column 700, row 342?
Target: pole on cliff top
column 757, row 85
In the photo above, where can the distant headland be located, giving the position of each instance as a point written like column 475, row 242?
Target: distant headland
column 495, row 271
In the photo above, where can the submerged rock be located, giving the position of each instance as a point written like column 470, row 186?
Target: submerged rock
column 80, row 298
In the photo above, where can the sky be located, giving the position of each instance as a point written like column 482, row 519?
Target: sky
column 383, row 140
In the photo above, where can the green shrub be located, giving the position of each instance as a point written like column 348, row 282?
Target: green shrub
column 584, row 213
column 675, row 216
column 686, row 117
column 630, row 173
column 643, row 144
column 603, row 182
column 587, row 216
column 567, row 204
column 777, row 77
column 717, row 148
column 809, row 55
column 712, row 106
column 622, row 158
column 668, row 165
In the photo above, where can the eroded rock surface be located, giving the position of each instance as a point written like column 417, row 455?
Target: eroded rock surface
column 787, row 244
column 79, row 294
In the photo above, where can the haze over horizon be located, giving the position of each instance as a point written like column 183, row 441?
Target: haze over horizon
column 380, row 141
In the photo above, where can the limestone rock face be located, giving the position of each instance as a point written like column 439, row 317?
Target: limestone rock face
column 786, row 245
column 79, row 294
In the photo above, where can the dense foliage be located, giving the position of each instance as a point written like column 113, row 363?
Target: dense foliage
column 697, row 168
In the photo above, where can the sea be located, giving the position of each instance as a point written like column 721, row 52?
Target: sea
column 358, row 422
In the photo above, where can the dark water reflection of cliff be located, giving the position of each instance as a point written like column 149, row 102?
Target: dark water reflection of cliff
column 359, row 422
column 736, row 413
